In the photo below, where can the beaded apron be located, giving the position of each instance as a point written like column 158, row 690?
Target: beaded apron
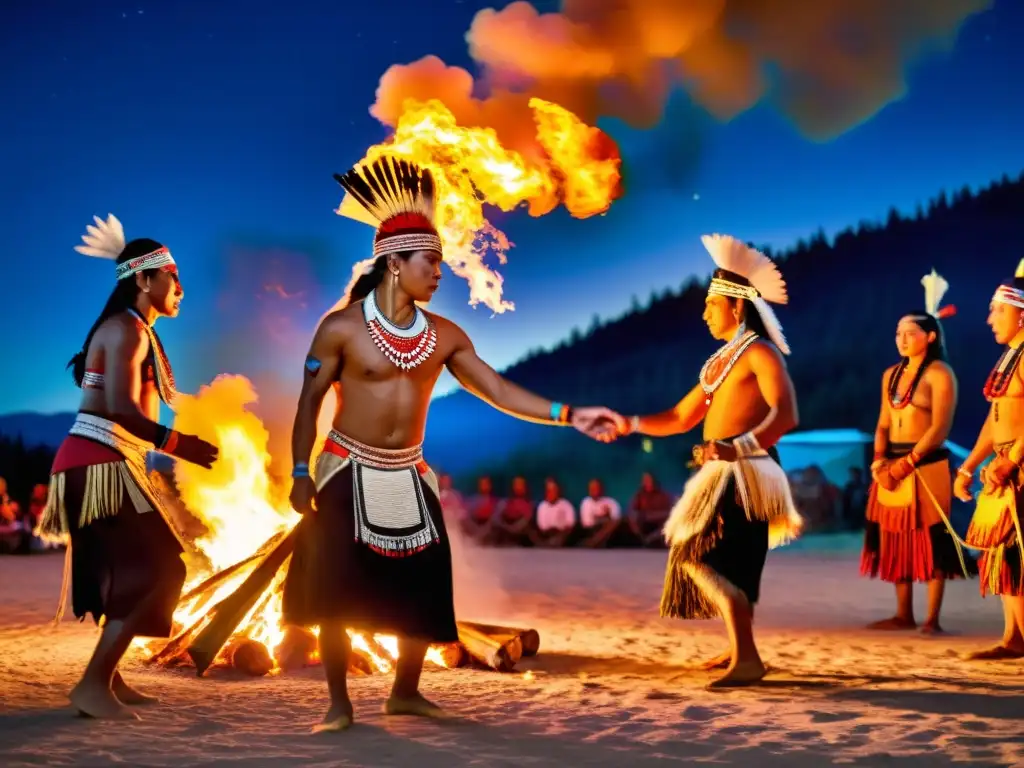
column 391, row 513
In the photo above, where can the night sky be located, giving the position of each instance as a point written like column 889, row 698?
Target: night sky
column 215, row 128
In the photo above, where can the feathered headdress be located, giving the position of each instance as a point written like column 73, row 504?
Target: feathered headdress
column 1008, row 292
column 935, row 287
column 397, row 198
column 105, row 240
column 754, row 277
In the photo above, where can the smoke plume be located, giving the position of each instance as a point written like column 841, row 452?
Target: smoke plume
column 828, row 65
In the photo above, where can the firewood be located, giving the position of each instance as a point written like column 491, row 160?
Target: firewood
column 228, row 613
column 529, row 637
column 452, row 654
column 501, row 655
column 252, row 657
column 297, row 648
column 359, row 663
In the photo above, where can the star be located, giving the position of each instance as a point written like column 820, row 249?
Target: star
column 696, row 196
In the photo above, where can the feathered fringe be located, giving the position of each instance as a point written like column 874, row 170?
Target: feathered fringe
column 681, row 597
column 764, row 494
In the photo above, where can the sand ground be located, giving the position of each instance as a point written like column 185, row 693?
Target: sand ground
column 611, row 685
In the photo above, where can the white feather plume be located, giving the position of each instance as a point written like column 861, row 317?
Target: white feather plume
column 771, row 324
column 105, row 240
column 935, row 287
column 735, row 256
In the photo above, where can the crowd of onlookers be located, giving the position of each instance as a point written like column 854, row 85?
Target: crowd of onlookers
column 18, row 520
column 518, row 518
column 549, row 519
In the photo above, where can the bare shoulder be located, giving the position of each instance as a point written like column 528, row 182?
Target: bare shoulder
column 123, row 329
column 888, row 372
column 448, row 332
column 763, row 355
column 940, row 371
column 340, row 323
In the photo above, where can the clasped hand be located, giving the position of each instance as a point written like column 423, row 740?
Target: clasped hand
column 600, row 423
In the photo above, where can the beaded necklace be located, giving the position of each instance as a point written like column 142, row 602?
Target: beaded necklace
column 405, row 347
column 896, row 400
column 998, row 382
column 164, row 375
column 720, row 363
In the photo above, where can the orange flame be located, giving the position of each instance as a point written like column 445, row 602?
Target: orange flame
column 471, row 168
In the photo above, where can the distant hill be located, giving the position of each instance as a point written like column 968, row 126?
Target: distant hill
column 36, row 428
column 846, row 297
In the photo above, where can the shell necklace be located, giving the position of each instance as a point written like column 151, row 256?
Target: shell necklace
column 720, row 363
column 405, row 347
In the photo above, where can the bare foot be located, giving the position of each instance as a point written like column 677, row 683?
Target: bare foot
column 99, row 702
column 931, row 627
column 895, row 623
column 720, row 661
column 415, row 705
column 995, row 653
column 128, row 695
column 743, row 673
column 338, row 718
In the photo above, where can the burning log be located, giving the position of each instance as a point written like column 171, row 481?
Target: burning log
column 452, row 655
column 221, row 576
column 228, row 613
column 251, row 657
column 530, row 638
column 359, row 663
column 297, row 648
column 499, row 654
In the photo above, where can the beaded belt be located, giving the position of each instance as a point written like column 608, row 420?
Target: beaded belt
column 368, row 455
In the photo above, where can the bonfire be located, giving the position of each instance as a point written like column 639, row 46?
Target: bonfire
column 230, row 611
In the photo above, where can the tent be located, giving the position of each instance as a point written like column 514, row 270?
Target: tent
column 835, row 451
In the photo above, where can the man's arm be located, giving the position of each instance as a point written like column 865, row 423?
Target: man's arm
column 493, row 388
column 320, row 371
column 680, row 418
column 944, row 397
column 776, row 388
column 124, row 355
column 982, row 446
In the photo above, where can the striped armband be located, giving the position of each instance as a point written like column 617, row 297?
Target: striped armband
column 561, row 413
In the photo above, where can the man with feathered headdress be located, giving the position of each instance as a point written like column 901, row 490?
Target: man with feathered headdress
column 371, row 552
column 126, row 543
column 739, row 503
column 995, row 527
column 908, row 536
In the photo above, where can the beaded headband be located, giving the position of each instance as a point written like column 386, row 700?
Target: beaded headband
column 409, row 241
column 1006, row 294
column 735, row 290
column 161, row 257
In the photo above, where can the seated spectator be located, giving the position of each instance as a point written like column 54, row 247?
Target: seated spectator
column 601, row 519
column 648, row 512
column 514, row 516
column 478, row 523
column 556, row 518
column 817, row 500
column 452, row 505
column 10, row 521
column 31, row 519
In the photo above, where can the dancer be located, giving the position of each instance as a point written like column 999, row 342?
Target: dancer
column 126, row 546
column 995, row 527
column 908, row 536
column 372, row 552
column 739, row 504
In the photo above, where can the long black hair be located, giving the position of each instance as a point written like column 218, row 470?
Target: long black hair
column 368, row 281
column 930, row 324
column 751, row 317
column 123, row 297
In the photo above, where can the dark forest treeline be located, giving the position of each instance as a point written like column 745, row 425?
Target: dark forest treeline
column 846, row 297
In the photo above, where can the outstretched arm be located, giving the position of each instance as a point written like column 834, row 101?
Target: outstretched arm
column 321, row 369
column 682, row 417
column 493, row 388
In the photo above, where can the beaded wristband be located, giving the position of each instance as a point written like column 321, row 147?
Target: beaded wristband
column 634, row 424
column 300, row 470
column 560, row 413
column 962, row 470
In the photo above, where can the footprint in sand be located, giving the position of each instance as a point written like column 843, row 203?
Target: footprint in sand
column 700, row 714
column 655, row 695
column 833, row 717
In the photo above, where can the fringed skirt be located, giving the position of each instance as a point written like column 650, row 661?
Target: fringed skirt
column 375, row 555
column 995, row 529
column 123, row 561
column 720, row 533
column 906, row 536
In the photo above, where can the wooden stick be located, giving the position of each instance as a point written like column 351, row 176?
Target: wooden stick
column 529, row 637
column 501, row 655
column 223, row 574
column 229, row 613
